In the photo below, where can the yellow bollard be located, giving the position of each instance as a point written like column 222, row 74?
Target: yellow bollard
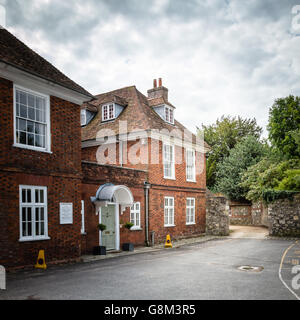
column 168, row 243
column 41, row 263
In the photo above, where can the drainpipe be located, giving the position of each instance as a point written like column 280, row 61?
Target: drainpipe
column 147, row 187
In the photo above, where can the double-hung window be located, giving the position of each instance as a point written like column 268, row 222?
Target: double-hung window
column 135, row 215
column 169, row 161
column 33, row 213
column 190, row 165
column 169, row 211
column 32, row 120
column 108, row 112
column 190, row 211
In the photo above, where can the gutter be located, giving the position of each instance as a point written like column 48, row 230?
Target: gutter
column 147, row 186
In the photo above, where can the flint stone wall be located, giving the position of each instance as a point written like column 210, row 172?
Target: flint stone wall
column 284, row 217
column 217, row 218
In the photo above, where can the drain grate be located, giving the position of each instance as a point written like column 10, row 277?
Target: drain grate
column 250, row 268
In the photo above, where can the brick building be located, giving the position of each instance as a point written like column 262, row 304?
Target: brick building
column 124, row 128
column 69, row 161
column 40, row 157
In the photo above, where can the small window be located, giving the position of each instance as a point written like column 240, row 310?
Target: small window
column 82, row 218
column 83, row 117
column 32, row 121
column 33, row 213
column 135, row 215
column 169, row 161
column 190, row 165
column 108, row 112
column 169, row 115
column 169, row 211
column 190, row 211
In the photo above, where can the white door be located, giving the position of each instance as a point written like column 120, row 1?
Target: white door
column 108, row 218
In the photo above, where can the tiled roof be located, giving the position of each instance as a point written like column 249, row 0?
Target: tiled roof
column 17, row 54
column 138, row 114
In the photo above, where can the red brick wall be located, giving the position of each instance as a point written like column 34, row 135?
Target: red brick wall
column 95, row 175
column 60, row 171
column 179, row 188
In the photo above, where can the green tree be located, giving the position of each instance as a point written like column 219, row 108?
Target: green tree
column 246, row 153
column 271, row 174
column 222, row 136
column 284, row 125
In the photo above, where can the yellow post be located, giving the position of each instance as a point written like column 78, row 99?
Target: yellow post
column 41, row 263
column 168, row 243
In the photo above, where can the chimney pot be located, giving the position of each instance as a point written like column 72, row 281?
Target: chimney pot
column 160, row 82
column 154, row 83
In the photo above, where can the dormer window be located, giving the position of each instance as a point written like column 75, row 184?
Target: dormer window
column 169, row 115
column 83, row 117
column 108, row 112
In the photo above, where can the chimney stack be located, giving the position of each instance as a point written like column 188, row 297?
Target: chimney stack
column 158, row 92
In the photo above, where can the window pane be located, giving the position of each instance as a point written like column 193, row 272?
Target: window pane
column 42, row 229
column 23, row 98
column 18, row 109
column 42, row 216
column 23, row 111
column 42, row 196
column 30, row 126
column 23, row 214
column 37, row 228
column 29, row 197
column 22, row 125
column 37, row 215
column 40, row 141
column 23, row 195
column 30, row 138
column 31, row 100
column 37, row 196
column 31, row 113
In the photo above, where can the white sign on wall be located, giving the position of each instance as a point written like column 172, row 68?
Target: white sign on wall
column 66, row 213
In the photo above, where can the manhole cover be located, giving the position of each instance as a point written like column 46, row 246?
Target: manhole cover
column 250, row 268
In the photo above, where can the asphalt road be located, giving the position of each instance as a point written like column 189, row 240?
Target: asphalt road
column 200, row 271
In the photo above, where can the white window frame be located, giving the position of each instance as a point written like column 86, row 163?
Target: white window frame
column 82, row 217
column 136, row 213
column 32, row 205
column 48, row 125
column 83, row 116
column 190, row 211
column 167, row 209
column 165, row 116
column 108, row 118
column 193, row 179
column 172, row 176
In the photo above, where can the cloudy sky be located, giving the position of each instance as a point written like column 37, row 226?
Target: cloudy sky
column 217, row 57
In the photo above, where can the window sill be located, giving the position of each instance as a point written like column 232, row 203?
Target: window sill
column 190, row 224
column 83, row 233
column 34, row 239
column 136, row 229
column 169, row 225
column 168, row 178
column 193, row 181
column 16, row 145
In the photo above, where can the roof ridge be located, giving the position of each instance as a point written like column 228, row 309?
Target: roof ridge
column 110, row 92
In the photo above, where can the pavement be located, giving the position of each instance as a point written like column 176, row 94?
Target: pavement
column 206, row 269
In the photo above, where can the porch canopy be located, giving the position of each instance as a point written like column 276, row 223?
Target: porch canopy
column 110, row 193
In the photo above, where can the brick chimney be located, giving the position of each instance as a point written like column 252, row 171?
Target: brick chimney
column 158, row 92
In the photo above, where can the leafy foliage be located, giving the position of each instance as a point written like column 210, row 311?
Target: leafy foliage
column 271, row 195
column 284, row 125
column 222, row 136
column 248, row 152
column 271, row 174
